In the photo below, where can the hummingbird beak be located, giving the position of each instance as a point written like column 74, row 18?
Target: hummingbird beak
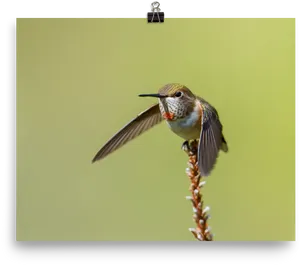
column 153, row 95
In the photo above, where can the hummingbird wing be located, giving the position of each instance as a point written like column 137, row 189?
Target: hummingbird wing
column 211, row 139
column 134, row 128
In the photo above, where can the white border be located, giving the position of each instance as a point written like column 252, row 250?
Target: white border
column 174, row 11
column 207, row 11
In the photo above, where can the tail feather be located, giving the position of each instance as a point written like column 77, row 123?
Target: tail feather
column 224, row 146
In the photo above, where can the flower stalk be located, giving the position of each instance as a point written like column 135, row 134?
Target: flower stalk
column 200, row 215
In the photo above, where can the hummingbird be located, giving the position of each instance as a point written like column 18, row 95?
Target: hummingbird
column 187, row 115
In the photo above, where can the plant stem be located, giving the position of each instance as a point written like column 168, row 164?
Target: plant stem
column 200, row 216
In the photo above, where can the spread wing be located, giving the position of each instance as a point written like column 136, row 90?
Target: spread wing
column 134, row 128
column 211, row 139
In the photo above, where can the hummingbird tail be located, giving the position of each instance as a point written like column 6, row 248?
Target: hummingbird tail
column 224, row 146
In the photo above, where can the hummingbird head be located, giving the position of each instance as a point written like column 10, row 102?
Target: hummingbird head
column 176, row 101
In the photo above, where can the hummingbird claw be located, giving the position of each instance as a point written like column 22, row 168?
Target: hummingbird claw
column 194, row 146
column 190, row 147
column 185, row 146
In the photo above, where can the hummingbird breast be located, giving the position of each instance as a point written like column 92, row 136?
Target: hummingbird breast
column 189, row 126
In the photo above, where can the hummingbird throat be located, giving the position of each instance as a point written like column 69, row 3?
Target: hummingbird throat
column 169, row 116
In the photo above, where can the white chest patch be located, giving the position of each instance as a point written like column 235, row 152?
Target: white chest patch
column 188, row 127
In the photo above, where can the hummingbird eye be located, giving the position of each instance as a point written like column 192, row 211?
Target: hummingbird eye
column 178, row 94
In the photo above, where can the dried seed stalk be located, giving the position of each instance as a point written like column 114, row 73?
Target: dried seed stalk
column 200, row 216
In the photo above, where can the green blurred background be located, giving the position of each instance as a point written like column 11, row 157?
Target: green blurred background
column 77, row 84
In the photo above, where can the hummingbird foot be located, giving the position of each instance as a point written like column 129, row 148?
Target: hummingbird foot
column 190, row 147
column 185, row 146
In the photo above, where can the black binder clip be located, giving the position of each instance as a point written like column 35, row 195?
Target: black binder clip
column 156, row 16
